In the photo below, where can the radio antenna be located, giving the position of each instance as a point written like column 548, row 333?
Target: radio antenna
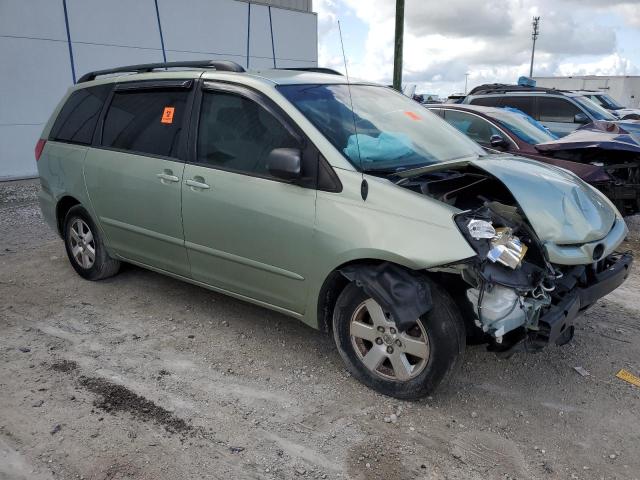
column 364, row 188
column 344, row 57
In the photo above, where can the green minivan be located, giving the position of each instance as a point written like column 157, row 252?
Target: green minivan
column 343, row 204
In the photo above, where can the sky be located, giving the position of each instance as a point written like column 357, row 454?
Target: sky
column 489, row 39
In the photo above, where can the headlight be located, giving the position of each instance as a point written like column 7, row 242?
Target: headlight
column 506, row 248
column 498, row 245
column 480, row 229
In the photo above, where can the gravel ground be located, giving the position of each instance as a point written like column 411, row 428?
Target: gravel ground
column 144, row 377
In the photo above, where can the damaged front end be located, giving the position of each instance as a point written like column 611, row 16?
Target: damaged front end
column 522, row 291
column 520, row 300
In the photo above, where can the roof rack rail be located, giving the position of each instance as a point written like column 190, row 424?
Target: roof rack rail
column 222, row 65
column 329, row 71
column 503, row 88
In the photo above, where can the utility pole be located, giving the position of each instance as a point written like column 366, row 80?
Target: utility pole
column 397, row 52
column 534, row 36
column 466, row 81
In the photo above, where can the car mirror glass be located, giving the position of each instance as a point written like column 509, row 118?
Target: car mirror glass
column 285, row 163
column 498, row 141
column 581, row 118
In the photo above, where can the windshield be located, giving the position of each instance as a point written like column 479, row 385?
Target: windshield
column 385, row 131
column 522, row 125
column 606, row 101
column 594, row 109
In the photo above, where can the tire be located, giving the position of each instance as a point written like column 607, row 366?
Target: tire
column 85, row 248
column 441, row 330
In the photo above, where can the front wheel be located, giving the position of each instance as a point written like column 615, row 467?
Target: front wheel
column 85, row 247
column 406, row 365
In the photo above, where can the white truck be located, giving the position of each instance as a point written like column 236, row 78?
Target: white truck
column 623, row 88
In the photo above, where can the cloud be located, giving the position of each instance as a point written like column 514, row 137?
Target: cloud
column 459, row 18
column 489, row 39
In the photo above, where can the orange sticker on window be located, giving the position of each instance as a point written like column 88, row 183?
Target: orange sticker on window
column 167, row 115
column 413, row 116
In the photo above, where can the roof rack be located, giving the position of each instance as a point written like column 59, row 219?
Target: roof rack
column 503, row 88
column 222, row 65
column 329, row 71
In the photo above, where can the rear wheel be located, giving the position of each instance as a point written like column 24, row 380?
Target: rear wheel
column 406, row 365
column 85, row 247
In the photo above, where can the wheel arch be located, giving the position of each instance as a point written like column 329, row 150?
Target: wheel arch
column 64, row 204
column 335, row 282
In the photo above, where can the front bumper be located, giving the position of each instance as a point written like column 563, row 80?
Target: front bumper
column 584, row 253
column 577, row 291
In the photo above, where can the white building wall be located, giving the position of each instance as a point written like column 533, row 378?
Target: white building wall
column 106, row 33
column 34, row 75
column 110, row 33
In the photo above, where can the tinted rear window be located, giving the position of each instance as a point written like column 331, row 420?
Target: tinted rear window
column 486, row 101
column 524, row 104
column 556, row 110
column 146, row 121
column 79, row 115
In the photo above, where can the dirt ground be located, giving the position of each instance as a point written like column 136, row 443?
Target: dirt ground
column 144, row 377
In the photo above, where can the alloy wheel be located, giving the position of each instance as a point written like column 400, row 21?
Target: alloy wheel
column 385, row 351
column 82, row 243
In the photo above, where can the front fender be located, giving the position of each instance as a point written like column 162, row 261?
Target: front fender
column 393, row 224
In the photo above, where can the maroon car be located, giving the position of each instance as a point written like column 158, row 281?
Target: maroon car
column 601, row 153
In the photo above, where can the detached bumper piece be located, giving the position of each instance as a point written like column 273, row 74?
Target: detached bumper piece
column 578, row 289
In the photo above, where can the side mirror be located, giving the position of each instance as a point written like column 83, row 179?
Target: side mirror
column 285, row 163
column 581, row 118
column 497, row 141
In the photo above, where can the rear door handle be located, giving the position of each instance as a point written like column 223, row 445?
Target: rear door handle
column 195, row 184
column 167, row 177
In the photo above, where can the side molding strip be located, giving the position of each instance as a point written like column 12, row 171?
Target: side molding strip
column 244, row 261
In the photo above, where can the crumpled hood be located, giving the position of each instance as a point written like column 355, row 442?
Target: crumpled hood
column 599, row 134
column 560, row 207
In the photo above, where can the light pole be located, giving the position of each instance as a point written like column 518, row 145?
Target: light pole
column 534, row 36
column 397, row 51
column 466, row 80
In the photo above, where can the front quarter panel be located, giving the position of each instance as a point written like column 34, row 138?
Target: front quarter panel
column 393, row 224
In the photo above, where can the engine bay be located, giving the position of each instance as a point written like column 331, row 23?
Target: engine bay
column 509, row 285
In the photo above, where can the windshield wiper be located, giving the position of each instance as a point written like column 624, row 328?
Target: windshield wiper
column 384, row 170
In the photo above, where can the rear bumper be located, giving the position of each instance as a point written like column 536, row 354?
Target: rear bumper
column 556, row 324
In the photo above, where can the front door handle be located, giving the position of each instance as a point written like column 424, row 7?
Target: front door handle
column 167, row 177
column 194, row 184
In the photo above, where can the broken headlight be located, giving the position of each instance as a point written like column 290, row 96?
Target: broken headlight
column 506, row 248
column 498, row 245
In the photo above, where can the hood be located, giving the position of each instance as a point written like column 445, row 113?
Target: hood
column 622, row 112
column 599, row 134
column 560, row 207
column 587, row 172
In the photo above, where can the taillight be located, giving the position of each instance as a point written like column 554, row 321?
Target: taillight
column 39, row 147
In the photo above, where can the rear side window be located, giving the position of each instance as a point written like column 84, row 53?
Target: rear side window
column 524, row 104
column 486, row 101
column 146, row 121
column 556, row 110
column 236, row 133
column 79, row 115
column 474, row 127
